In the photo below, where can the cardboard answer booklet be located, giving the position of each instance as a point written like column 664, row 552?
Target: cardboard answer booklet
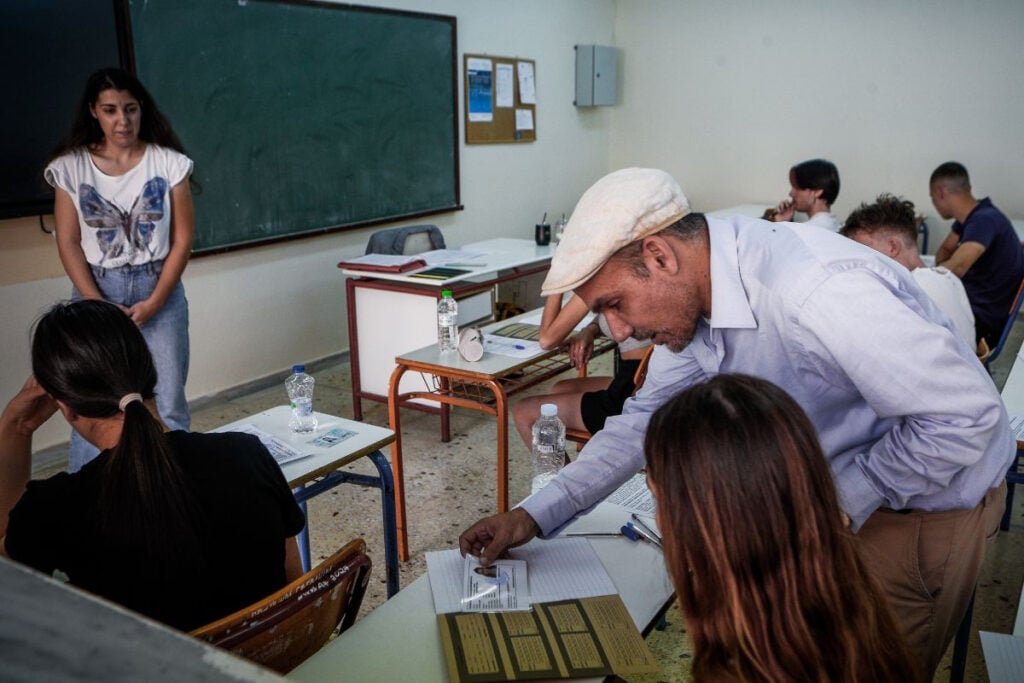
column 565, row 639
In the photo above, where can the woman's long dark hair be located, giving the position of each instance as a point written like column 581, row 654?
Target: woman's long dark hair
column 769, row 578
column 85, row 129
column 89, row 354
column 153, row 126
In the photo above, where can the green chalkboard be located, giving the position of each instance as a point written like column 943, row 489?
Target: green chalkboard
column 303, row 117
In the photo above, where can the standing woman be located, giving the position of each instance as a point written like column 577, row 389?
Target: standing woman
column 125, row 223
column 767, row 573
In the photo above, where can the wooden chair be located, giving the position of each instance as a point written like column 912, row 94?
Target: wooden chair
column 284, row 629
column 581, row 436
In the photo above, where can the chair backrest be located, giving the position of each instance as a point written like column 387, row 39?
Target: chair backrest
column 922, row 231
column 640, row 376
column 409, row 239
column 284, row 629
column 1014, row 309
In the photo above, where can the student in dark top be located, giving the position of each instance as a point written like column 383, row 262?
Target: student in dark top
column 983, row 249
column 182, row 527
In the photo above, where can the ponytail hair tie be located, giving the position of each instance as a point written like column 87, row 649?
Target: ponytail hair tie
column 128, row 398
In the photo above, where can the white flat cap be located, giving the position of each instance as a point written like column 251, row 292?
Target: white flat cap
column 618, row 209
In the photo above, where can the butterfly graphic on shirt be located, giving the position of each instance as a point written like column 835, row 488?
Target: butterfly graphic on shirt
column 121, row 232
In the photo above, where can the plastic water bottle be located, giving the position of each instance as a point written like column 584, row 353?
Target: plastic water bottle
column 300, row 394
column 447, row 332
column 548, row 446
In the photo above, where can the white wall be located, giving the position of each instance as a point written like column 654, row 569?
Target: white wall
column 728, row 95
column 255, row 312
column 725, row 95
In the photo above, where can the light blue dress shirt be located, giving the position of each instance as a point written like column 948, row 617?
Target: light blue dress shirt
column 906, row 415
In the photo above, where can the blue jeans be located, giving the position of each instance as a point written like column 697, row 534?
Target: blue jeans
column 166, row 333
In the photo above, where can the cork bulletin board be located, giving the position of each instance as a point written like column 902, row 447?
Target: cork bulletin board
column 500, row 99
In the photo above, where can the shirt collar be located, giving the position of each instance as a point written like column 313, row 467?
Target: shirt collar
column 730, row 307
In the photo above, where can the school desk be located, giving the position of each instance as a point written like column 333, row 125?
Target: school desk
column 484, row 385
column 1013, row 399
column 392, row 313
column 400, row 640
column 321, row 471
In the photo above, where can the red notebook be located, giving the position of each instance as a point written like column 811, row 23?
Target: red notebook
column 379, row 265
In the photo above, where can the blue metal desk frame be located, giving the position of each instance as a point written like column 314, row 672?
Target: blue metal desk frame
column 385, row 482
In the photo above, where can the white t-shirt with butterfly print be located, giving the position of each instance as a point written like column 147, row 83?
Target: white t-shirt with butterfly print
column 125, row 219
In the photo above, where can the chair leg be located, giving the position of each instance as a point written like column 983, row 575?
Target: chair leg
column 960, row 643
column 1004, row 524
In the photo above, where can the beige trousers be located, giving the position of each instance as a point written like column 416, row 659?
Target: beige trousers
column 928, row 564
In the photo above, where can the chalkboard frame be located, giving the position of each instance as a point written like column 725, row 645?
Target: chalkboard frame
column 315, row 231
column 48, row 86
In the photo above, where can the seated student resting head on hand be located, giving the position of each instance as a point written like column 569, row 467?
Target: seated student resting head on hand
column 814, row 187
column 889, row 226
column 767, row 573
column 185, row 528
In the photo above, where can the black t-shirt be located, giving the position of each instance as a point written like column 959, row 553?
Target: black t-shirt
column 246, row 513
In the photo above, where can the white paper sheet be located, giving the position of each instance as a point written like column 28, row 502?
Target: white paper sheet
column 1017, row 426
column 559, row 569
column 634, row 496
column 453, row 258
column 513, row 348
column 524, row 119
column 527, row 89
column 480, row 90
column 503, row 90
column 534, row 318
column 1004, row 656
column 281, row 451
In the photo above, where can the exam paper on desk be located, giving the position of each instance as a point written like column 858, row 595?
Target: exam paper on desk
column 281, row 451
column 559, row 569
column 1004, row 656
column 514, row 348
column 1017, row 426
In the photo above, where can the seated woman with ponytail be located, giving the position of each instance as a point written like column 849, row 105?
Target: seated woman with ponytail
column 182, row 527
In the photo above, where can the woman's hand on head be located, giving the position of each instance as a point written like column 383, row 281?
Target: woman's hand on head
column 29, row 409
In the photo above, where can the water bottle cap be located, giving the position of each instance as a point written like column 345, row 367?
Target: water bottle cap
column 296, row 369
column 549, row 410
column 446, row 293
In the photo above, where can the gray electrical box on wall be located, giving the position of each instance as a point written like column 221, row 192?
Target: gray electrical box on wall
column 596, row 67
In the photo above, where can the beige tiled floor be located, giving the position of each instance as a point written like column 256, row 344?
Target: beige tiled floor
column 451, row 485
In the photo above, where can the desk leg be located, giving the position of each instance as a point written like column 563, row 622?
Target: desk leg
column 446, row 411
column 303, row 537
column 353, row 352
column 394, row 420
column 387, row 501
column 501, row 415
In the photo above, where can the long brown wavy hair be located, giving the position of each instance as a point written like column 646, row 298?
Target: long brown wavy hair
column 768, row 576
